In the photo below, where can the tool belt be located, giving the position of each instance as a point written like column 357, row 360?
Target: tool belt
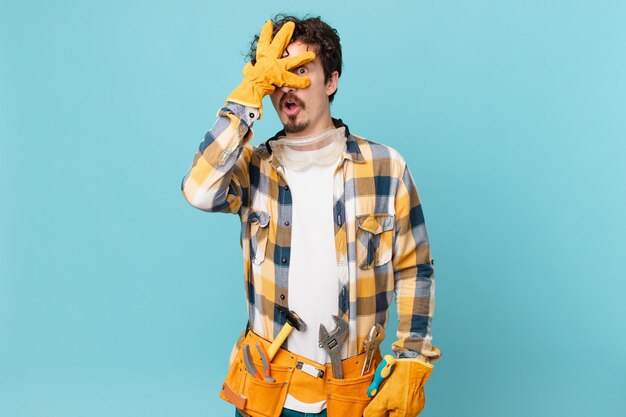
column 302, row 378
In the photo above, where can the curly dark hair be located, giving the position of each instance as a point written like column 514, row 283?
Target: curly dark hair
column 315, row 32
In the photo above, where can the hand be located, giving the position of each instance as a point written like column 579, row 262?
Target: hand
column 270, row 70
column 402, row 394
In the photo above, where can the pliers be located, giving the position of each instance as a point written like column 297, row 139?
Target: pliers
column 247, row 358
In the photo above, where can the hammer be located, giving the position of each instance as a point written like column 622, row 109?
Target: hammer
column 293, row 322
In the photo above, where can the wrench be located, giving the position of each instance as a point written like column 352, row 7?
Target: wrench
column 374, row 338
column 332, row 343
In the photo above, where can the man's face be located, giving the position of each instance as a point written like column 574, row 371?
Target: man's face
column 305, row 111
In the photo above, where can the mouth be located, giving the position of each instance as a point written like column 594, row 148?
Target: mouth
column 291, row 105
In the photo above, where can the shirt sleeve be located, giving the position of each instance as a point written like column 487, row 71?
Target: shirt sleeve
column 217, row 180
column 413, row 275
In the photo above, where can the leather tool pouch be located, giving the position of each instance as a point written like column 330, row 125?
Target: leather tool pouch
column 347, row 397
column 255, row 397
column 344, row 397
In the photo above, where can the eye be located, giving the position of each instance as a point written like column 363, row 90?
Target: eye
column 301, row 71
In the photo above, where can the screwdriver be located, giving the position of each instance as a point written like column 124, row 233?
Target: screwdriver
column 382, row 372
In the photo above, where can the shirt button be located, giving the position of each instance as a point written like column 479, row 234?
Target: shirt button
column 282, row 296
column 284, row 260
column 287, row 223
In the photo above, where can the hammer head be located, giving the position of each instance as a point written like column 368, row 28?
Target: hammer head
column 292, row 318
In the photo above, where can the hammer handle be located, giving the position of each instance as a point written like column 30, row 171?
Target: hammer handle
column 278, row 342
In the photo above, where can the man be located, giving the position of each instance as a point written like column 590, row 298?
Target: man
column 331, row 226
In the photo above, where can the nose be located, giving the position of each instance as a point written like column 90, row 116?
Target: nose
column 285, row 89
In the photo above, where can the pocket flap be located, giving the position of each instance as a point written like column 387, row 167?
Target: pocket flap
column 376, row 223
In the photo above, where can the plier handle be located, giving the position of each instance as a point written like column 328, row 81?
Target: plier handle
column 247, row 358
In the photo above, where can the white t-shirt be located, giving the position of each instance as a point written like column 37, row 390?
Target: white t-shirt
column 313, row 283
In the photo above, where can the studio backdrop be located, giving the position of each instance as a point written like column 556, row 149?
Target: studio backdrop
column 117, row 298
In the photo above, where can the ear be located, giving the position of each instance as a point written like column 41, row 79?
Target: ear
column 331, row 84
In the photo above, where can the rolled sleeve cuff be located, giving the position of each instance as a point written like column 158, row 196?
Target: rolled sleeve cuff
column 246, row 113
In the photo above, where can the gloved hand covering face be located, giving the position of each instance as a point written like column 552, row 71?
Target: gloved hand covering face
column 402, row 394
column 270, row 70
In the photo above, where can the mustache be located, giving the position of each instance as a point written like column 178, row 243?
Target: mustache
column 291, row 97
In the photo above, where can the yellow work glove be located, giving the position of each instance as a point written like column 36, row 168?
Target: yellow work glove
column 402, row 394
column 270, row 70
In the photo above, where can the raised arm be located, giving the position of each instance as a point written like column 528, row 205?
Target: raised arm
column 218, row 177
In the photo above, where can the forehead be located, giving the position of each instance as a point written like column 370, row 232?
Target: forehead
column 297, row 47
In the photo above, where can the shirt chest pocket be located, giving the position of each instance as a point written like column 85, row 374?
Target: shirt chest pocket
column 258, row 226
column 374, row 246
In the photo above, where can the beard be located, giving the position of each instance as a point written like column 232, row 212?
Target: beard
column 291, row 123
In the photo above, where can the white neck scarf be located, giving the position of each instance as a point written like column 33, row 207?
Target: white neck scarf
column 290, row 154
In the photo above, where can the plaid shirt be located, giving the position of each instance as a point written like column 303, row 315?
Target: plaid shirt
column 380, row 237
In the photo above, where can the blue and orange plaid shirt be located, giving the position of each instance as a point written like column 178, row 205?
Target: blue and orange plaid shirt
column 380, row 237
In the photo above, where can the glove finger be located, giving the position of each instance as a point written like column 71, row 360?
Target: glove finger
column 281, row 40
column 296, row 81
column 265, row 38
column 376, row 408
column 298, row 60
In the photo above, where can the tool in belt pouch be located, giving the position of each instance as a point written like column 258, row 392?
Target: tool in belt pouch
column 345, row 389
column 370, row 346
column 332, row 343
column 293, row 322
column 261, row 396
column 301, row 377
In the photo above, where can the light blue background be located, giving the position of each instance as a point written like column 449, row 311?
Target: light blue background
column 119, row 299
